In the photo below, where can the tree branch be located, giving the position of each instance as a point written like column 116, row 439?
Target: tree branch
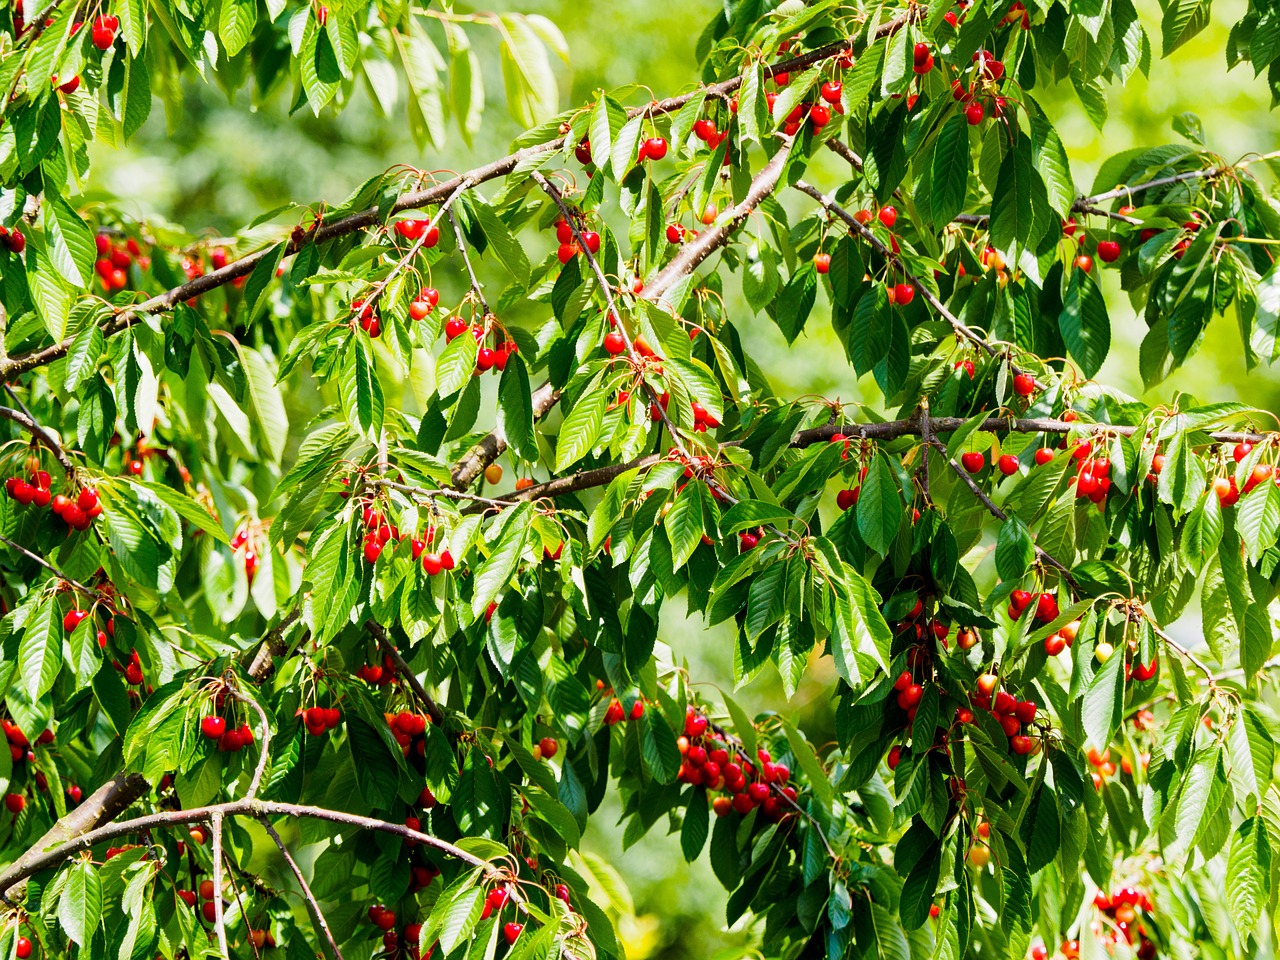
column 428, row 702
column 40, row 858
column 986, row 501
column 28, row 423
column 317, row 916
column 218, row 922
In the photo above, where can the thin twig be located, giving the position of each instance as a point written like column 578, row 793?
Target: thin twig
column 218, row 922
column 476, row 288
column 24, row 419
column 264, row 751
column 428, row 702
column 995, row 511
column 317, row 916
column 75, row 584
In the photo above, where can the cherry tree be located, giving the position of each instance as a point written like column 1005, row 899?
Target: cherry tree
column 355, row 686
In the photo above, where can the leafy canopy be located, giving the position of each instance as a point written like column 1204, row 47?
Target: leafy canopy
column 233, row 629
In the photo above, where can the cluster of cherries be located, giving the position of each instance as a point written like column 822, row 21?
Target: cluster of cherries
column 711, row 762
column 386, row 920
column 818, row 113
column 407, row 729
column 987, row 70
column 19, row 745
column 569, row 246
column 1013, row 715
column 415, row 230
column 229, row 739
column 14, row 239
column 1226, row 488
column 378, row 675
column 615, row 714
column 319, row 720
column 78, row 513
column 104, row 31
column 1124, row 909
column 487, row 357
column 114, row 260
column 241, row 542
column 1108, row 251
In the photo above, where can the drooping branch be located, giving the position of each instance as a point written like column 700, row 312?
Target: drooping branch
column 40, row 433
column 411, row 200
column 219, row 923
column 99, row 808
column 683, row 263
column 428, row 702
column 313, row 906
column 42, row 857
column 1043, row 556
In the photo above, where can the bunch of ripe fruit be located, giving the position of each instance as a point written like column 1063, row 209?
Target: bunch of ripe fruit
column 1013, row 715
column 114, row 260
column 712, row 762
column 229, row 738
column 78, row 512
column 407, row 728
column 319, row 720
column 19, row 745
column 487, row 357
column 404, row 943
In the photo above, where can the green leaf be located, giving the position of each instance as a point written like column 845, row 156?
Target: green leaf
column 684, row 524
column 496, row 571
column 40, row 652
column 1084, row 323
column 949, row 174
column 532, row 95
column 1014, row 550
column 918, row 892
column 515, row 409
column 80, row 906
column 658, row 747
column 1248, row 874
column 694, row 830
column 858, row 626
column 1182, row 20
column 880, row 508
column 503, row 242
column 236, row 19
column 460, row 919
column 1100, row 710
column 457, row 364
column 581, row 428
column 137, row 96
column 1012, row 211
column 70, row 242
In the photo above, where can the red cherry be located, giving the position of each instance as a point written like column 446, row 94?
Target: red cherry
column 1054, row 644
column 675, row 233
column 213, row 727
column 819, row 116
column 1084, row 262
column 1024, row 384
column 903, row 293
column 73, row 619
column 1108, row 251
column 1021, row 745
column 431, row 564
column 972, row 461
column 1046, row 608
column 1008, row 465
column 614, row 343
column 888, row 216
column 1043, row 456
column 822, row 262
column 592, row 241
column 1025, row 711
column 14, row 803
column 846, row 499
column 895, row 756
column 511, row 932
column 1241, row 450
column 655, row 148
column 974, row 113
column 832, row 91
column 454, row 327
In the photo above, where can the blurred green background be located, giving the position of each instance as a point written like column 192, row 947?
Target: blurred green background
column 223, row 163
